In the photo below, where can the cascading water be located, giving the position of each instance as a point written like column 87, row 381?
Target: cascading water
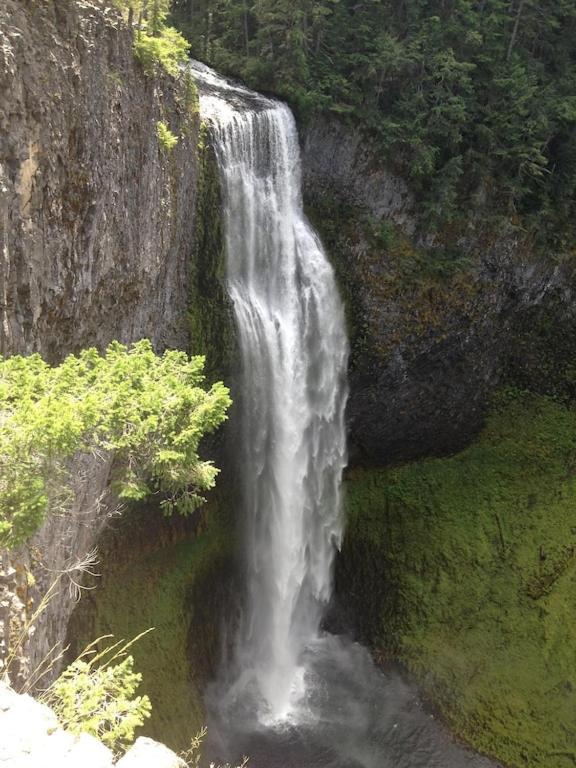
column 294, row 697
column 294, row 356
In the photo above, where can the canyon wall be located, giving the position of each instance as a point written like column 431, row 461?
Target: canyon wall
column 97, row 232
column 437, row 321
column 459, row 555
column 96, row 219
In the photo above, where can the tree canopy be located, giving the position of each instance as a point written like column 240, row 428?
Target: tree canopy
column 474, row 100
column 150, row 410
column 157, row 45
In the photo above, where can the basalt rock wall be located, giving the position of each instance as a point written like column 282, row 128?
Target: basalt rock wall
column 437, row 321
column 96, row 218
column 97, row 234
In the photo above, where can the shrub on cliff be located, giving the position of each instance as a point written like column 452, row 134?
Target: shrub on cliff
column 96, row 694
column 149, row 410
column 167, row 50
column 156, row 44
column 165, row 136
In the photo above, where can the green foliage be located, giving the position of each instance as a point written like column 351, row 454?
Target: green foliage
column 192, row 756
column 464, row 568
column 473, row 101
column 150, row 410
column 157, row 45
column 384, row 234
column 96, row 696
column 191, row 95
column 210, row 313
column 165, row 136
column 167, row 50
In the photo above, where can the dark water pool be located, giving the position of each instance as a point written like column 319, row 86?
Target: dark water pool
column 354, row 716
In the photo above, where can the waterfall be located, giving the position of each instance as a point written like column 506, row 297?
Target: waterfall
column 292, row 695
column 294, row 352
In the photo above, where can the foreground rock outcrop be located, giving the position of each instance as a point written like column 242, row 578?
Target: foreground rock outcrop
column 31, row 737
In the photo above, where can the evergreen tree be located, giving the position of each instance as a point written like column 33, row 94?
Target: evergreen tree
column 475, row 99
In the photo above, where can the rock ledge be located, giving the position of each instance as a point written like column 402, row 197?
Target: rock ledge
column 31, row 737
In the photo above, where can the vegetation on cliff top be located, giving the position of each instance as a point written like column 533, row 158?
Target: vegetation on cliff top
column 475, row 98
column 157, row 45
column 150, row 411
column 464, row 568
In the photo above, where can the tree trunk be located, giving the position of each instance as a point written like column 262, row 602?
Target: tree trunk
column 515, row 30
column 246, row 40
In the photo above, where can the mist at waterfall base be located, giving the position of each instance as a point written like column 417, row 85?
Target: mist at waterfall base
column 291, row 695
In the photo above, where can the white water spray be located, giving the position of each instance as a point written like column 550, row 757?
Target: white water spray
column 294, row 356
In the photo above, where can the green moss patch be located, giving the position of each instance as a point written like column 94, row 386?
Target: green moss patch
column 378, row 266
column 464, row 568
column 210, row 316
column 175, row 584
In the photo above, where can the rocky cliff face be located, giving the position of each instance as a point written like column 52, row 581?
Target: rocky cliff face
column 96, row 220
column 437, row 323
column 96, row 233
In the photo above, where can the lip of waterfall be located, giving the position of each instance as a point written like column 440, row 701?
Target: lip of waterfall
column 217, row 88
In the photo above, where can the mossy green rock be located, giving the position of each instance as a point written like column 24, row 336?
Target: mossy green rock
column 172, row 575
column 210, row 315
column 464, row 569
